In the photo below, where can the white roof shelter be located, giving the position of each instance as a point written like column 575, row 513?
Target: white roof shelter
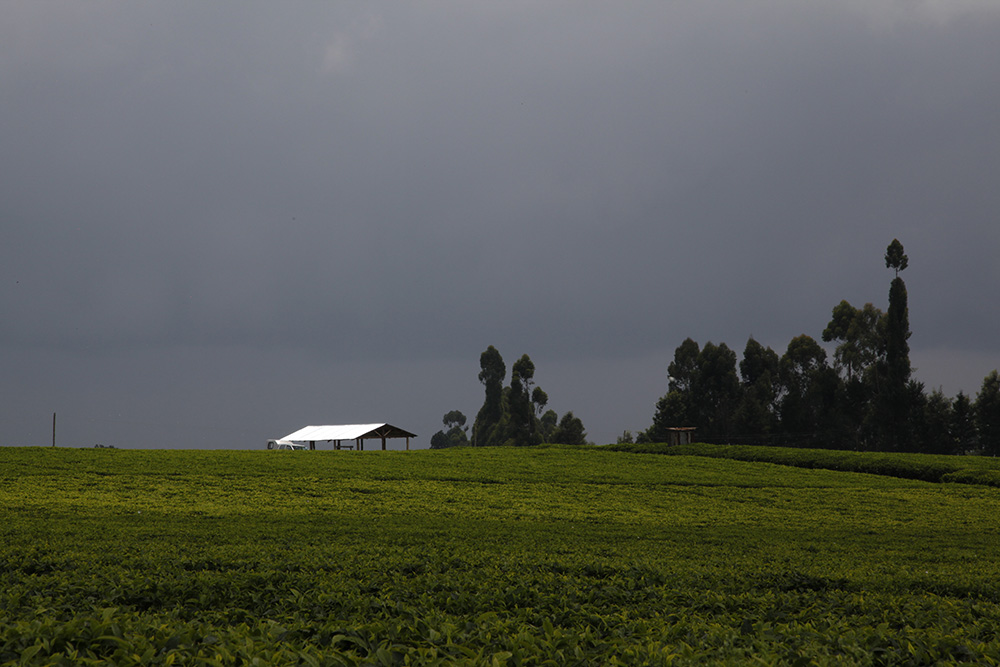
column 357, row 432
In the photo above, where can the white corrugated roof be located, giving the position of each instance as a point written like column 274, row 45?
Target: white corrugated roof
column 336, row 432
column 347, row 432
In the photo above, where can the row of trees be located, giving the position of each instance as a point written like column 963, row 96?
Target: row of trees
column 865, row 400
column 510, row 415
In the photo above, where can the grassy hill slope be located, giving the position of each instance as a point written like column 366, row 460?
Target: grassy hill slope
column 982, row 470
column 485, row 556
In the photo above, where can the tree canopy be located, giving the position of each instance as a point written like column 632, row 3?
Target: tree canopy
column 455, row 433
column 511, row 415
column 867, row 398
column 895, row 258
column 489, row 425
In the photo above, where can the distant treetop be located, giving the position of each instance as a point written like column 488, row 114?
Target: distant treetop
column 894, row 257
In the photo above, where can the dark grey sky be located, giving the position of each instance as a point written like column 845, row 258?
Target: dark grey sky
column 224, row 221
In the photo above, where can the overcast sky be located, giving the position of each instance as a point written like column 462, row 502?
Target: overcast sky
column 223, row 221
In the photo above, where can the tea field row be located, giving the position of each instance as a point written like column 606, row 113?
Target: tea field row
column 521, row 556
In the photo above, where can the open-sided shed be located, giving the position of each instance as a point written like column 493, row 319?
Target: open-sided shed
column 338, row 434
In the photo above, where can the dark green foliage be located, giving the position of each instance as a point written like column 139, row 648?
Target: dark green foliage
column 963, row 424
column 894, row 257
column 677, row 407
column 547, row 424
column 757, row 411
column 894, row 397
column 455, row 418
column 539, row 399
column 488, row 428
column 456, row 434
column 800, row 364
column 932, row 421
column 866, row 401
column 716, row 390
column 860, row 360
column 522, row 422
column 570, row 431
column 809, row 386
column 860, row 334
column 671, row 410
column 759, row 369
column 987, row 413
column 703, row 389
column 524, row 368
column 683, row 370
column 510, row 416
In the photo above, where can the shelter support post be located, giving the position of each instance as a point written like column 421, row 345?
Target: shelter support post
column 383, row 443
column 407, row 444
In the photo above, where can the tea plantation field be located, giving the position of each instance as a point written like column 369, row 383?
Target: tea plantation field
column 540, row 556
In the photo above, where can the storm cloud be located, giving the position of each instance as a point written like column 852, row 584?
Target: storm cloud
column 223, row 221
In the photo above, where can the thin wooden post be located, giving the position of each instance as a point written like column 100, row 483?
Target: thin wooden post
column 407, row 443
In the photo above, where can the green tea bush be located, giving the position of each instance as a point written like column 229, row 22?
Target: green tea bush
column 971, row 476
column 929, row 468
column 525, row 556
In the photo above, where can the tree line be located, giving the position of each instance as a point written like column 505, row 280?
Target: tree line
column 510, row 415
column 865, row 399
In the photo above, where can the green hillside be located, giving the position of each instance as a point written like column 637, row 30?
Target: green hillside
column 981, row 470
column 517, row 556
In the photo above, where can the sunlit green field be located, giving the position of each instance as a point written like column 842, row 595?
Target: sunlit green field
column 486, row 556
